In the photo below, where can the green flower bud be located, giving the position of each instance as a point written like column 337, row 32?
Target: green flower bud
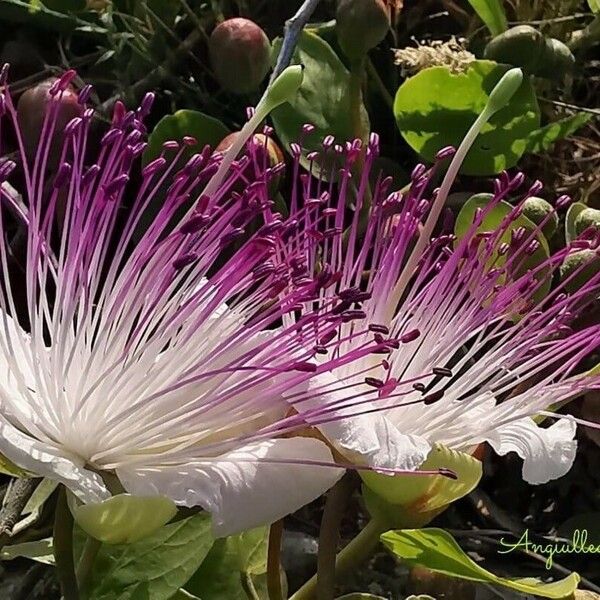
column 589, row 217
column 240, row 55
column 537, row 210
column 581, row 266
column 525, row 47
column 361, row 25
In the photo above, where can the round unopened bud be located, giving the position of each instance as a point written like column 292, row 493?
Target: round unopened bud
column 31, row 112
column 525, row 47
column 266, row 152
column 588, row 217
column 361, row 25
column 538, row 211
column 240, row 55
column 578, row 268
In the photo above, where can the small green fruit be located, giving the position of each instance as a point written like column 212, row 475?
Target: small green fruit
column 240, row 55
column 361, row 25
column 536, row 210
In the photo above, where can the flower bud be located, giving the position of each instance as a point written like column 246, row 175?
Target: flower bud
column 240, row 55
column 588, row 217
column 538, row 210
column 268, row 154
column 31, row 111
column 361, row 25
column 579, row 267
column 525, row 47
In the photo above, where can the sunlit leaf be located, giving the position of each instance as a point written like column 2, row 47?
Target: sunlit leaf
column 435, row 108
column 437, row 550
column 544, row 138
column 229, row 563
column 162, row 562
column 40, row 551
column 491, row 221
column 123, row 518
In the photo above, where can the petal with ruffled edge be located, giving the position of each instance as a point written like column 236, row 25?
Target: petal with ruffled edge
column 547, row 452
column 39, row 458
column 245, row 488
column 366, row 439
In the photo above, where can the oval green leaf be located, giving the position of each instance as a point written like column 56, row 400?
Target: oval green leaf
column 206, row 129
column 123, row 519
column 492, row 221
column 437, row 550
column 323, row 99
column 435, row 108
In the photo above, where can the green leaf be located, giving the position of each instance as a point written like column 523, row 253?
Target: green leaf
column 491, row 12
column 571, row 217
column 20, row 11
column 435, row 108
column 124, row 518
column 406, row 498
column 323, row 99
column 438, row 551
column 164, row 561
column 206, row 129
column 543, row 139
column 229, row 563
column 492, row 221
column 40, row 551
column 594, row 6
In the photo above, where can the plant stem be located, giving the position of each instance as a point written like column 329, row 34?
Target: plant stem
column 335, row 506
column 383, row 91
column 63, row 548
column 293, row 28
column 248, row 586
column 86, row 562
column 358, row 550
column 18, row 494
column 274, row 560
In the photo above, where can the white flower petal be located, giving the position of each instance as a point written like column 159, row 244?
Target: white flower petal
column 371, row 438
column 39, row 458
column 548, row 453
column 239, row 490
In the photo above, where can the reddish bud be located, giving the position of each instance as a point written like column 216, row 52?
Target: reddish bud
column 31, row 111
column 240, row 55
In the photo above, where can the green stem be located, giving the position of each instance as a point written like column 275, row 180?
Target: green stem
column 335, row 506
column 274, row 561
column 63, row 548
column 248, row 586
column 86, row 562
column 383, row 91
column 355, row 553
